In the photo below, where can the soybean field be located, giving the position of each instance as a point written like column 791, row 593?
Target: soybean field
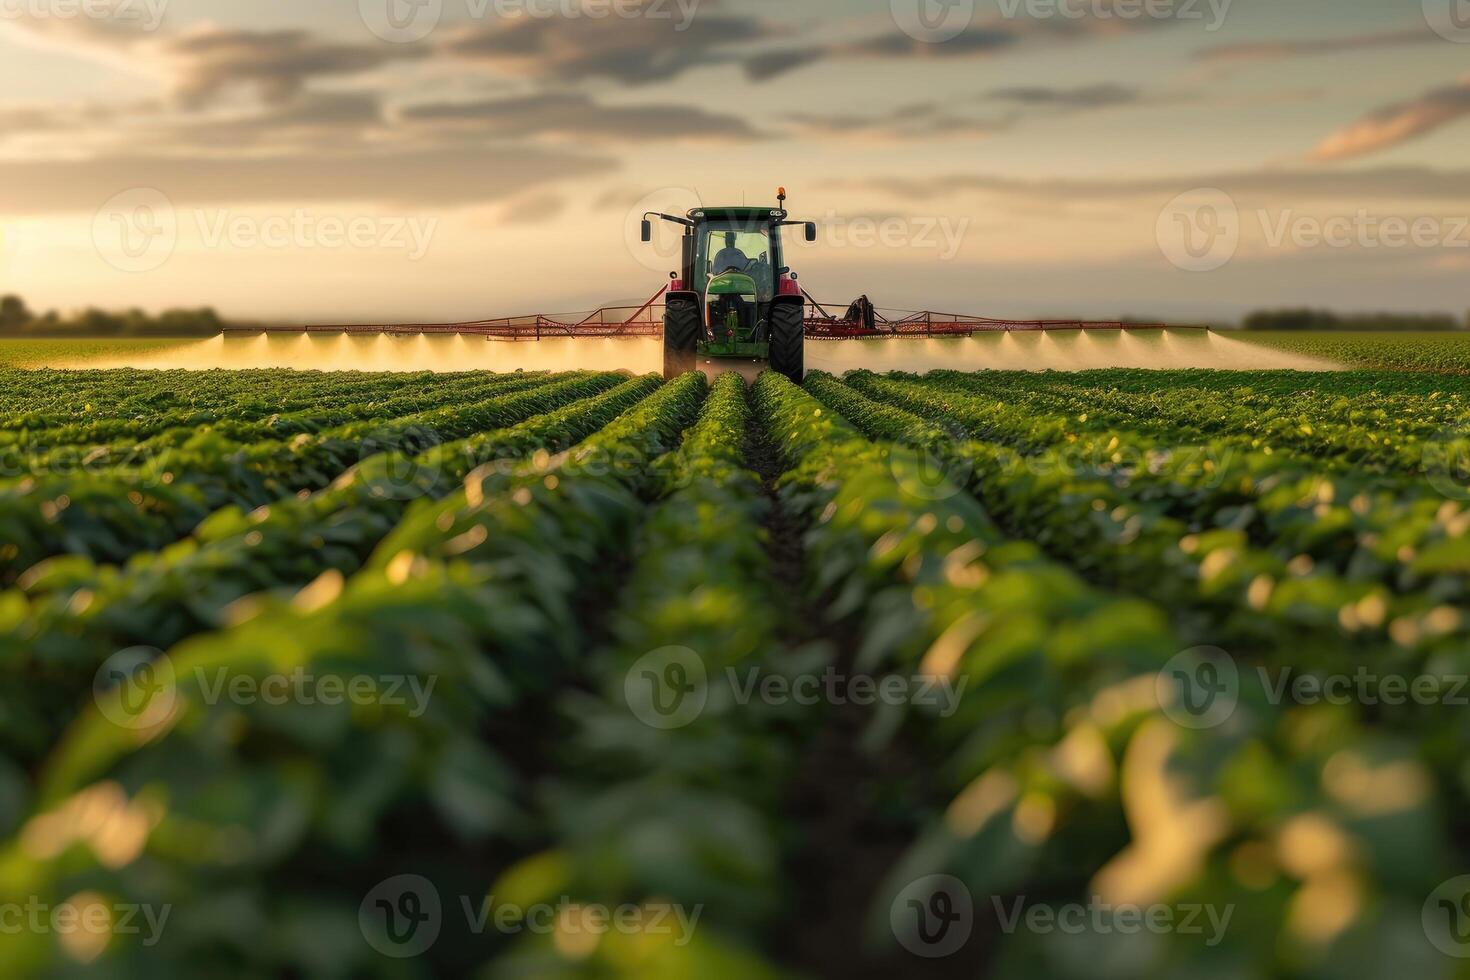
column 1114, row 673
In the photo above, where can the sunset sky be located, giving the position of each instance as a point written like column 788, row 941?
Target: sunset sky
column 471, row 158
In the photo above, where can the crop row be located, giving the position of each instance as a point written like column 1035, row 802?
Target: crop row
column 673, row 808
column 1162, row 815
column 1190, row 414
column 1410, row 390
column 46, row 399
column 155, row 430
column 109, row 515
column 1154, row 499
column 75, row 613
column 938, row 593
column 1438, row 352
column 251, row 802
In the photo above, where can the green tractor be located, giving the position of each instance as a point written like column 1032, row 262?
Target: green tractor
column 734, row 297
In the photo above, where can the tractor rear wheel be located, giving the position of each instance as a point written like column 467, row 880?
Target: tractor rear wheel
column 788, row 337
column 681, row 333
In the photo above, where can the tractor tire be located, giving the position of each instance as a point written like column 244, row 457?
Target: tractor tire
column 788, row 337
column 682, row 329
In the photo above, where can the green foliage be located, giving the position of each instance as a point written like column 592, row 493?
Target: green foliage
column 1043, row 545
column 112, row 508
column 16, row 321
column 1440, row 353
column 13, row 313
column 1307, row 319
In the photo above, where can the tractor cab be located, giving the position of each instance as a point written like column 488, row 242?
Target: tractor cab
column 734, row 296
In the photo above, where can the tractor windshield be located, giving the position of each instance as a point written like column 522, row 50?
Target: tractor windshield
column 728, row 246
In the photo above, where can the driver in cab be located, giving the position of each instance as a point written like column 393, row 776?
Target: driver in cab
column 730, row 258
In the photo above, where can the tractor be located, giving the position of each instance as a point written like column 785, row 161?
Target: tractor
column 734, row 298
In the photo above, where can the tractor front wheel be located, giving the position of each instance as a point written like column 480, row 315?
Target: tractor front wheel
column 788, row 337
column 681, row 333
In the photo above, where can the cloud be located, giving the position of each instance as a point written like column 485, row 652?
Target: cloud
column 924, row 119
column 1085, row 97
column 632, row 50
column 761, row 67
column 55, row 117
column 1277, row 50
column 533, row 209
column 207, row 60
column 642, row 50
column 326, row 121
column 1301, row 185
column 1397, row 124
column 442, row 178
column 984, row 38
column 577, row 116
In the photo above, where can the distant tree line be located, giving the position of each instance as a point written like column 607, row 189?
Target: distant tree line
column 1305, row 319
column 17, row 321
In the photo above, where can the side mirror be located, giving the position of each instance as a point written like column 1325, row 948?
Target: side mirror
column 811, row 231
column 647, row 230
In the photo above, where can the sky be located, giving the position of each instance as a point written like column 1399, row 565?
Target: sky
column 443, row 160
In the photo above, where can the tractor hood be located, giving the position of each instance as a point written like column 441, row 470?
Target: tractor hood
column 731, row 284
